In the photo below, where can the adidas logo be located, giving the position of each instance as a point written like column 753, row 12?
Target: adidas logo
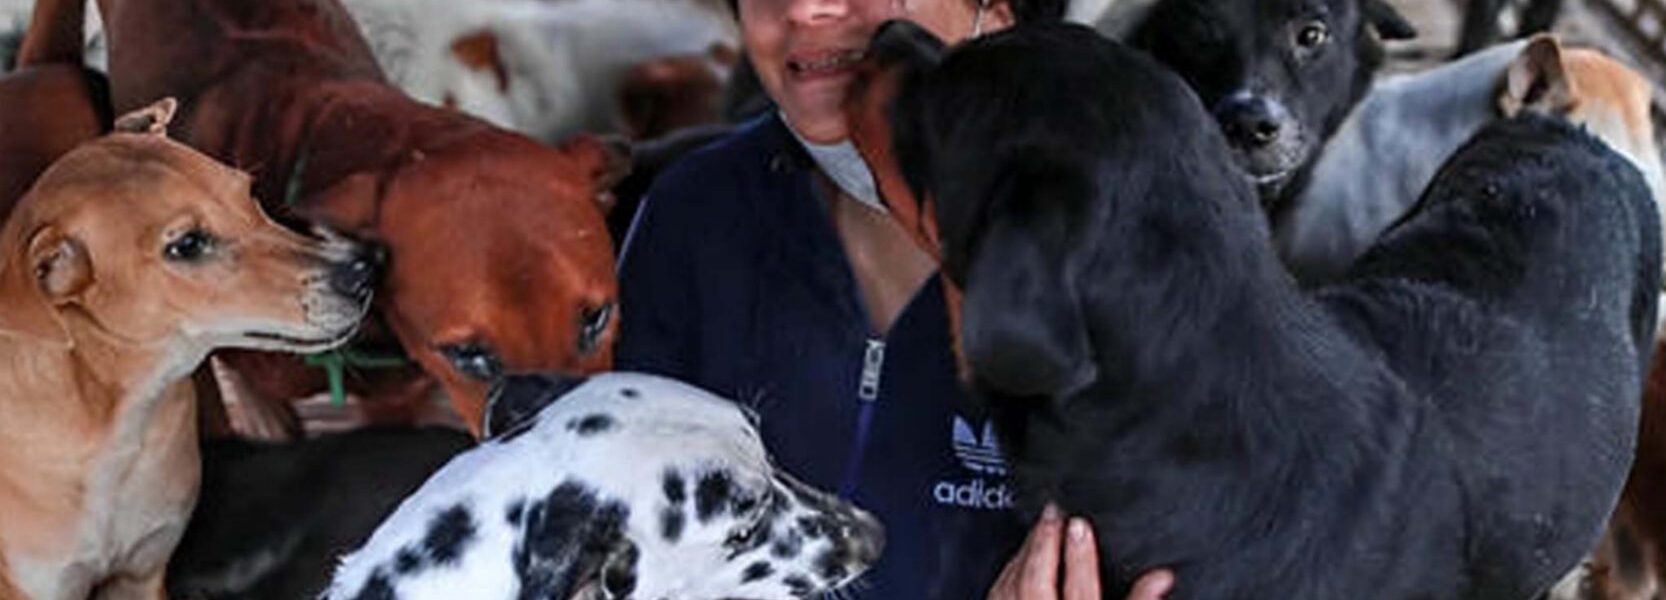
column 979, row 454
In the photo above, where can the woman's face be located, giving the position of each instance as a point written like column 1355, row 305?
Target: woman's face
column 805, row 51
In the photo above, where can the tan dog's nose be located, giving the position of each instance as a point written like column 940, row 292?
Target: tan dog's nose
column 357, row 276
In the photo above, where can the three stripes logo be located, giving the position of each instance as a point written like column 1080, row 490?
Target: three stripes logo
column 979, row 453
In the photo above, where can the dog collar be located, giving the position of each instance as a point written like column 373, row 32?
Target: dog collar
column 845, row 167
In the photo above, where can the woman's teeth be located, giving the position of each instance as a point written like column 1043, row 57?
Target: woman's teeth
column 826, row 63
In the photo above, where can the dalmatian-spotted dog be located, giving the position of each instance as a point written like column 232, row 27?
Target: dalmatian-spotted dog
column 629, row 486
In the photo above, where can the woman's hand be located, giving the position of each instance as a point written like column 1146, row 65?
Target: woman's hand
column 1034, row 573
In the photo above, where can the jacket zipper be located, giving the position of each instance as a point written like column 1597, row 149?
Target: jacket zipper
column 867, row 392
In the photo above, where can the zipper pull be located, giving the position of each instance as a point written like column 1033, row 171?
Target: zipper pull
column 873, row 361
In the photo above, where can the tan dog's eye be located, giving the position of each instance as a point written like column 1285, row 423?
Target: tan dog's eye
column 191, row 246
column 1313, row 35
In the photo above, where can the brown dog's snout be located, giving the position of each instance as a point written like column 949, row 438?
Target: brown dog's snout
column 358, row 275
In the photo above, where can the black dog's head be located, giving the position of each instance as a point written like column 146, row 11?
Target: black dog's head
column 1279, row 75
column 1047, row 151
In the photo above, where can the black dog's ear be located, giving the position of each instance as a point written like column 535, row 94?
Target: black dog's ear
column 904, row 42
column 514, row 400
column 1390, row 24
column 1022, row 325
column 910, row 51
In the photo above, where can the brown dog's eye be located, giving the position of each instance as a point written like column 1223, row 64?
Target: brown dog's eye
column 473, row 360
column 591, row 325
column 190, row 246
column 1313, row 35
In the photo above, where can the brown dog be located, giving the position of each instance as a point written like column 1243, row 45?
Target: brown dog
column 128, row 261
column 499, row 256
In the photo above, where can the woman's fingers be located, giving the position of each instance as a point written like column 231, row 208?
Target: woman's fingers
column 1081, row 562
column 1153, row 585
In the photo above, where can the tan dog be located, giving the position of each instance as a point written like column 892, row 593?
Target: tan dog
column 128, row 261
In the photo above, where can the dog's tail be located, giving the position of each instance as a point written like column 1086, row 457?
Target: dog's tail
column 55, row 34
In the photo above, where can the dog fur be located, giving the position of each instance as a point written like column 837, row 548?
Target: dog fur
column 546, row 69
column 1454, row 420
column 128, row 261
column 273, row 520
column 52, row 104
column 625, row 486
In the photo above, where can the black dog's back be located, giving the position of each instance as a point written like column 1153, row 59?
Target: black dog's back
column 1454, row 422
column 273, row 520
column 1528, row 271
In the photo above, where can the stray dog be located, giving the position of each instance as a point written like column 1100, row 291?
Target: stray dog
column 1383, row 156
column 273, row 520
column 499, row 257
column 130, row 259
column 1278, row 75
column 626, row 486
column 1442, row 425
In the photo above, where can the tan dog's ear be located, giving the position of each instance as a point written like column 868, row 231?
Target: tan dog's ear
column 52, row 271
column 1537, row 80
column 151, row 119
column 606, row 158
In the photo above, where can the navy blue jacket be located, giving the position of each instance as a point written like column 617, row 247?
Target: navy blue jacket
column 734, row 279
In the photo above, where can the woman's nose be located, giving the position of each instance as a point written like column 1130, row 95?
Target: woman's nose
column 810, row 12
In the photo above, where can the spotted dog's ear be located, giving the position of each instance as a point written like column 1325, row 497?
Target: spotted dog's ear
column 514, row 400
column 617, row 579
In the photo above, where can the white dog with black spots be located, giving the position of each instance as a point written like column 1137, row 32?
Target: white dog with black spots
column 622, row 486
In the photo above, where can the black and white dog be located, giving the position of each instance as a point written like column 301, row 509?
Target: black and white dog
column 629, row 486
column 1454, row 420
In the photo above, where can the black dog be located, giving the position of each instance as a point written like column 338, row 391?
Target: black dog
column 1279, row 75
column 1454, row 421
column 273, row 520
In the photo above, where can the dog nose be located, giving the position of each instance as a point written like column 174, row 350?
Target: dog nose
column 1249, row 120
column 356, row 277
column 514, row 399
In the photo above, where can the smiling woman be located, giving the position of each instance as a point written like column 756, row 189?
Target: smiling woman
column 765, row 267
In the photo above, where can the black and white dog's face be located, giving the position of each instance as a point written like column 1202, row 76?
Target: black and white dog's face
column 629, row 486
column 1279, row 75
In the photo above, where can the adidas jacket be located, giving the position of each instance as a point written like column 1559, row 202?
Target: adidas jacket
column 733, row 279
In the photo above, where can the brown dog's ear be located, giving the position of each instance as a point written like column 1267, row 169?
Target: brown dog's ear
column 348, row 206
column 606, row 158
column 1537, row 80
column 151, row 119
column 50, row 272
column 1388, row 22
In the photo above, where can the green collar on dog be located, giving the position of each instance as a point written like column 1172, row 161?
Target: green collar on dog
column 336, row 363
